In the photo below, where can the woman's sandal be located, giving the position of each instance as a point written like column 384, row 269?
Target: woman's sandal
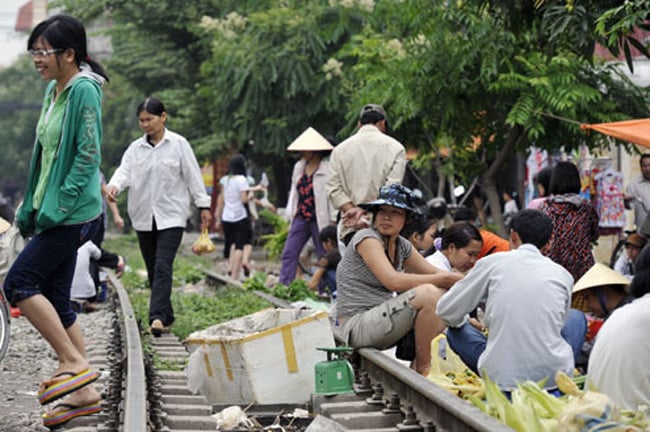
column 64, row 387
column 56, row 418
column 247, row 269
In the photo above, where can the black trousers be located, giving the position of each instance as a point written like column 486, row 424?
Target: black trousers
column 158, row 248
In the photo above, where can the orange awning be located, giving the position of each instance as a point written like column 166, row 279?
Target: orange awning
column 634, row 131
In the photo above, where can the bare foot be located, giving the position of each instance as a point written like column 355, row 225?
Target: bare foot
column 424, row 371
column 82, row 397
column 63, row 372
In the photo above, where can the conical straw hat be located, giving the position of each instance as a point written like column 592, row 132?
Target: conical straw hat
column 599, row 275
column 310, row 140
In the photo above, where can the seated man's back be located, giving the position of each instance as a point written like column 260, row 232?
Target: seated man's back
column 528, row 300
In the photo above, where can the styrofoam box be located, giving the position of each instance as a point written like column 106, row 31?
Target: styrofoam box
column 265, row 357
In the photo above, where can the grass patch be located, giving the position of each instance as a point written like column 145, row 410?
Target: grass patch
column 193, row 311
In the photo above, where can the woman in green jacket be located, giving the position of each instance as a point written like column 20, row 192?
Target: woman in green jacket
column 61, row 209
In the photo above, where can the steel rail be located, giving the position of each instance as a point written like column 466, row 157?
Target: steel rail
column 227, row 280
column 135, row 398
column 429, row 401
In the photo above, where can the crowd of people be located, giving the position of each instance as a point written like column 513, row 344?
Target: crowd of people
column 516, row 308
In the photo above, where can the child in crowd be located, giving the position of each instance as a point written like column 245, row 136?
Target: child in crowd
column 83, row 291
column 510, row 206
column 325, row 274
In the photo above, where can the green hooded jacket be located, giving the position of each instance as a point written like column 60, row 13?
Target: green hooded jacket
column 73, row 191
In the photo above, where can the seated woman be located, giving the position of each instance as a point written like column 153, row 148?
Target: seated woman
column 461, row 243
column 420, row 232
column 492, row 243
column 379, row 263
column 603, row 290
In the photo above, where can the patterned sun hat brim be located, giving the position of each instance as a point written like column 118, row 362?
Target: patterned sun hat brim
column 394, row 195
column 390, row 202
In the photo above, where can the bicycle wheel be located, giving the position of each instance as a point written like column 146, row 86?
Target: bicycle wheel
column 4, row 326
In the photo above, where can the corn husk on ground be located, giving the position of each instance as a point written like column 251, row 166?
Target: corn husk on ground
column 533, row 409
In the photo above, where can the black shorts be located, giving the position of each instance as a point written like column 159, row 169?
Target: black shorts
column 238, row 233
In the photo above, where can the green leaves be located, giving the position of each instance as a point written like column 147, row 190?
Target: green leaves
column 457, row 74
column 274, row 243
column 21, row 93
column 297, row 289
column 616, row 27
column 271, row 75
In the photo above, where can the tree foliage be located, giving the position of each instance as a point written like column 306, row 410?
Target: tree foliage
column 494, row 78
column 21, row 92
column 471, row 82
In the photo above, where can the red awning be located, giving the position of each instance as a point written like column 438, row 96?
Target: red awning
column 634, row 131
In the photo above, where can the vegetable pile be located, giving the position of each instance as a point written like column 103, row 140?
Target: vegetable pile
column 533, row 409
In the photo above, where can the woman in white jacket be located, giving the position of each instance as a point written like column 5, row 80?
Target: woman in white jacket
column 308, row 206
column 163, row 178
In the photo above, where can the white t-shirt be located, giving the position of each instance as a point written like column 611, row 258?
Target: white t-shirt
column 618, row 364
column 510, row 207
column 624, row 266
column 83, row 285
column 233, row 208
column 439, row 261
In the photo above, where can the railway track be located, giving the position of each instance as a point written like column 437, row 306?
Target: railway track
column 139, row 398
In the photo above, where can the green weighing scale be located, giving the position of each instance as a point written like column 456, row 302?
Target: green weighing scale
column 334, row 376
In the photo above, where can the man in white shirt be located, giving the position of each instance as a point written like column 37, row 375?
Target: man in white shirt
column 638, row 194
column 360, row 166
column 533, row 333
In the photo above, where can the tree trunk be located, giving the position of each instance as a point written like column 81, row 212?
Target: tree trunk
column 490, row 176
column 442, row 179
column 478, row 206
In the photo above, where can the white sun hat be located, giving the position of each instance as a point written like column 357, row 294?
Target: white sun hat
column 310, row 140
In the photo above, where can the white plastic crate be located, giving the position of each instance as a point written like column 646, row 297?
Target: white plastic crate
column 267, row 357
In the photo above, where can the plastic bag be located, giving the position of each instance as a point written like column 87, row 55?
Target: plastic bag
column 231, row 418
column 203, row 244
column 449, row 372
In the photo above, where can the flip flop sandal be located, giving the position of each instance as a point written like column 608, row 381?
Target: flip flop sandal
column 71, row 411
column 247, row 269
column 67, row 386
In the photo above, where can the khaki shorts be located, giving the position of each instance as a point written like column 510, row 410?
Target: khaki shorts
column 383, row 325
